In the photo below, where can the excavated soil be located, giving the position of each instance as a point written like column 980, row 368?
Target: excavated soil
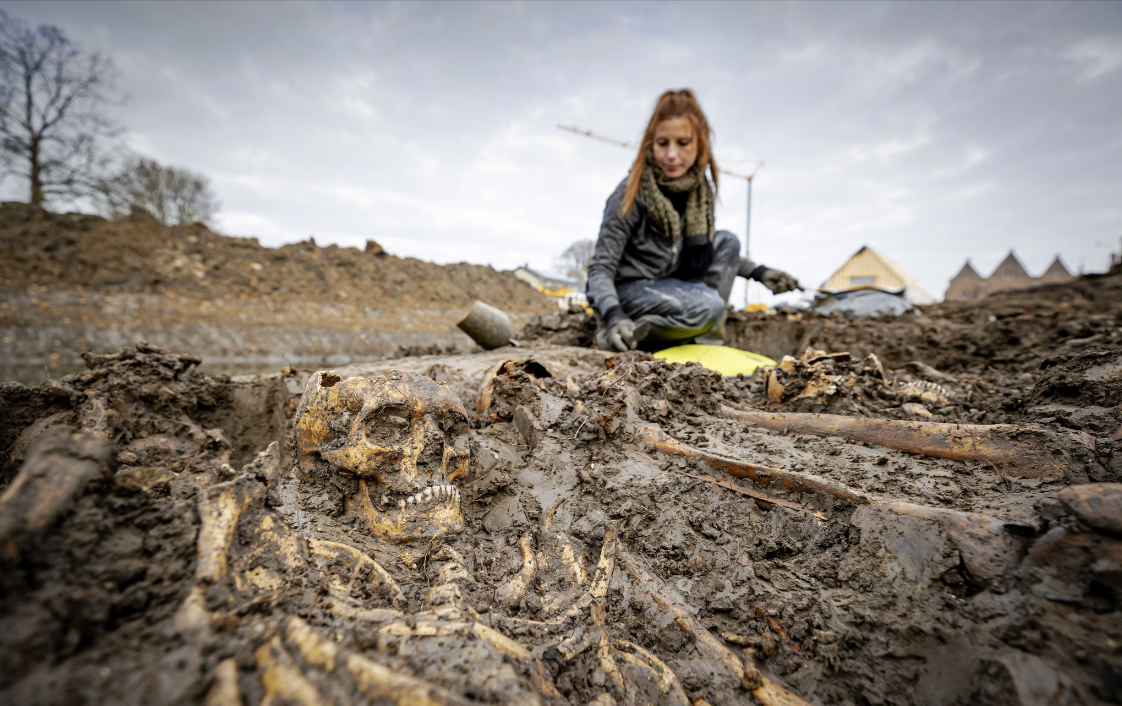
column 73, row 282
column 843, row 572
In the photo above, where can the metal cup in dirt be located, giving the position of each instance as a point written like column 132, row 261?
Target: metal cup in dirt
column 487, row 326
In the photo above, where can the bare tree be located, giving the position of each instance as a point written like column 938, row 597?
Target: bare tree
column 575, row 260
column 174, row 196
column 52, row 98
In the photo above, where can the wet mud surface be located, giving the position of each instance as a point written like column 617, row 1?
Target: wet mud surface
column 557, row 525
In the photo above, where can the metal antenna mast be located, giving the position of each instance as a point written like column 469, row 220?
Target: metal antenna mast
column 628, row 145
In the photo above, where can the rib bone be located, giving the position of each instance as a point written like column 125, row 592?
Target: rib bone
column 763, row 688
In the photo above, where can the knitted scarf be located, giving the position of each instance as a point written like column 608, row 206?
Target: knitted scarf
column 699, row 204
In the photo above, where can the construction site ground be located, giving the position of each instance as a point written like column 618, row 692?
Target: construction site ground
column 76, row 282
column 632, row 531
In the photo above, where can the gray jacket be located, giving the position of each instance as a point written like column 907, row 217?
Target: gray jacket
column 628, row 248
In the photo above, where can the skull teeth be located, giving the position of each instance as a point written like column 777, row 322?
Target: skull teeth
column 433, row 494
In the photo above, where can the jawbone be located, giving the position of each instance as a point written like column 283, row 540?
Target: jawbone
column 433, row 516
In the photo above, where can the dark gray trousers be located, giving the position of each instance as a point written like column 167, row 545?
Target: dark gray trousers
column 682, row 309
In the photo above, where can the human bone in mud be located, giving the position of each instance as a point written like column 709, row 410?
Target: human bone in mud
column 394, row 444
column 400, row 436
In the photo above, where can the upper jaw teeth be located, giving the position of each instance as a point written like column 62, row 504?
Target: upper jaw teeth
column 432, row 494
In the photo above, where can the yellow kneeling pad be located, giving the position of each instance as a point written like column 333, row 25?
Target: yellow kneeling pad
column 722, row 359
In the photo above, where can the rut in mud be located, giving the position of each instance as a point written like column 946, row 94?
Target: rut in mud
column 608, row 530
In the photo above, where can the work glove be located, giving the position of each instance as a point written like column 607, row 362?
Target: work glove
column 779, row 281
column 624, row 335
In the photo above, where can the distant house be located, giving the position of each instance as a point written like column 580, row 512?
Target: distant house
column 868, row 269
column 550, row 283
column 1010, row 274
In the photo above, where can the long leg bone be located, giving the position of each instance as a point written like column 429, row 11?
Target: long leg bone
column 1001, row 444
column 707, row 643
column 763, row 688
column 988, row 550
column 744, row 491
column 795, row 482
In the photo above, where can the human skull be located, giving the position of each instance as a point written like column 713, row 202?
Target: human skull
column 402, row 436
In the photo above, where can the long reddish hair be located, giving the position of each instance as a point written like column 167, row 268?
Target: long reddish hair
column 672, row 104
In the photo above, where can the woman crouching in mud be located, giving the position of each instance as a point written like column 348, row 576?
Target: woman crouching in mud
column 660, row 271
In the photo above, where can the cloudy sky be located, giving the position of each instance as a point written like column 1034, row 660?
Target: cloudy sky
column 932, row 132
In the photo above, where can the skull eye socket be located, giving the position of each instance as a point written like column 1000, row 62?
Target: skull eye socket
column 387, row 425
column 455, row 430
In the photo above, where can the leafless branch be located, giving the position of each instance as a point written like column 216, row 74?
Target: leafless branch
column 53, row 128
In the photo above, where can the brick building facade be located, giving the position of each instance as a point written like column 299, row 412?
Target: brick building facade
column 1010, row 274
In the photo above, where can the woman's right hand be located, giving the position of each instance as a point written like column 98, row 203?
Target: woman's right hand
column 625, row 334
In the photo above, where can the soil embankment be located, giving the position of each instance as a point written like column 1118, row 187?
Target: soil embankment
column 924, row 509
column 71, row 283
column 1011, row 328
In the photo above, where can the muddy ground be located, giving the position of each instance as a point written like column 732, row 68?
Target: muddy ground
column 153, row 554
column 76, row 282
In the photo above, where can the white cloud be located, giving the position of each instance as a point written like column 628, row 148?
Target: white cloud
column 1097, row 56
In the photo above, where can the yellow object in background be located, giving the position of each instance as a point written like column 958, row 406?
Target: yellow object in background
column 722, row 359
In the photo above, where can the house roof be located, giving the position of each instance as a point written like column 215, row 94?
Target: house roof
column 550, row 276
column 868, row 269
column 967, row 272
column 1010, row 265
column 1056, row 270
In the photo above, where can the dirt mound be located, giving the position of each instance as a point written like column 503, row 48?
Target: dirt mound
column 73, row 282
column 561, row 328
column 138, row 254
column 1007, row 330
